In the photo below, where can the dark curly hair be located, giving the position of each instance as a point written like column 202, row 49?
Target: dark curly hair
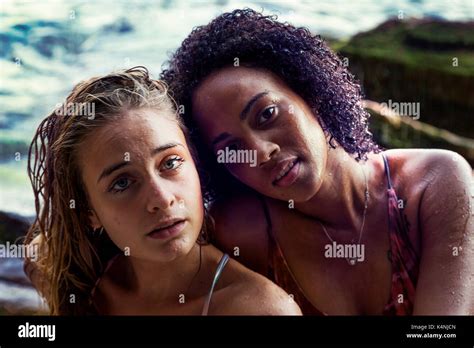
column 304, row 61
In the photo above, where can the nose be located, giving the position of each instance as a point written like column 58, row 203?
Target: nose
column 160, row 195
column 266, row 149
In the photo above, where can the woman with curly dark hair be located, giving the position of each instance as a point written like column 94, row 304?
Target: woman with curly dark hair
column 302, row 194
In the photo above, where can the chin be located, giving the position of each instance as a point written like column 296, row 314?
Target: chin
column 175, row 248
column 300, row 192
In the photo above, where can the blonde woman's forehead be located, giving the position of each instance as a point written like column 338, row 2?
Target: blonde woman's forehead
column 132, row 137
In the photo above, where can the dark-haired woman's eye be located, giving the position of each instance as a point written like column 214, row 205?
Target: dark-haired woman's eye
column 173, row 163
column 267, row 114
column 121, row 185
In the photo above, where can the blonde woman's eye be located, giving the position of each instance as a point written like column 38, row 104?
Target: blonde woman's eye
column 121, row 185
column 173, row 163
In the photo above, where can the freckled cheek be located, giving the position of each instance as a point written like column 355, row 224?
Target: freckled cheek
column 120, row 219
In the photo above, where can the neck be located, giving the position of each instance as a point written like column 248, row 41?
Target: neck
column 340, row 201
column 164, row 281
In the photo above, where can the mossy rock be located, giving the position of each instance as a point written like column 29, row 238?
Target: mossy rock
column 425, row 61
column 448, row 36
column 9, row 310
column 12, row 227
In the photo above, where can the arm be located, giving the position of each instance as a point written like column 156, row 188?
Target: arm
column 240, row 222
column 240, row 231
column 446, row 281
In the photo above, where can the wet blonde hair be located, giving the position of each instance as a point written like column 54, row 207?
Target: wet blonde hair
column 73, row 255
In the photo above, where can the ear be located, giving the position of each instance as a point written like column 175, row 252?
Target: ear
column 94, row 220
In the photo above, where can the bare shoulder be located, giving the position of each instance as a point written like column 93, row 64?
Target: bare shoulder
column 241, row 230
column 427, row 167
column 444, row 180
column 251, row 294
column 428, row 159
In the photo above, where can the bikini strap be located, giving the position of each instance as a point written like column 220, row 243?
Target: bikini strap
column 387, row 171
column 220, row 268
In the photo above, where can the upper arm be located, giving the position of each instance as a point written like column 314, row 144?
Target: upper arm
column 446, row 279
column 240, row 230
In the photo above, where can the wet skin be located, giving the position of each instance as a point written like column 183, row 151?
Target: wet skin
column 251, row 108
column 140, row 176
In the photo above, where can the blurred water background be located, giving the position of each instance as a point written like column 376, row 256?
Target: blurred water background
column 48, row 46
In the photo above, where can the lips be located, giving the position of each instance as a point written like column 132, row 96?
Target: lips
column 285, row 172
column 167, row 228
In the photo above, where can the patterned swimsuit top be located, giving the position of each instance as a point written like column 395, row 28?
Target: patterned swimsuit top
column 402, row 256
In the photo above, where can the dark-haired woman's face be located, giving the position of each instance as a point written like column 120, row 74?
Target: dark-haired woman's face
column 263, row 132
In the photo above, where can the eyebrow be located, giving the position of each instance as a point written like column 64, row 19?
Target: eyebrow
column 243, row 115
column 114, row 167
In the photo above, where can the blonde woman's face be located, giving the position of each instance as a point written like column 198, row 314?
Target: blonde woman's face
column 143, row 185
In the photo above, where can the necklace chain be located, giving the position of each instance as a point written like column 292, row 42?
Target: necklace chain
column 351, row 261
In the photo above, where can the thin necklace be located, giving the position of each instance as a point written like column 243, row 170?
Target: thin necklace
column 352, row 261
